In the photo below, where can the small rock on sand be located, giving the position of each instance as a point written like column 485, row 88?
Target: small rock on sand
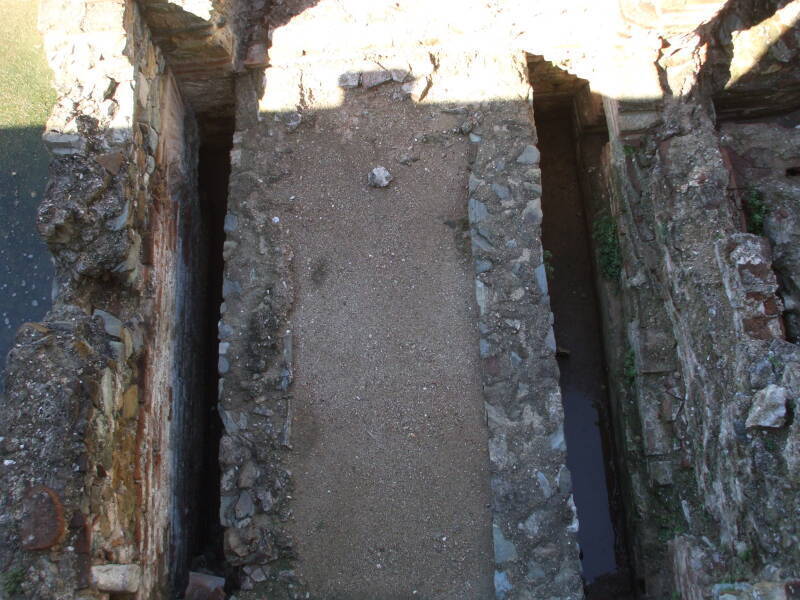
column 379, row 177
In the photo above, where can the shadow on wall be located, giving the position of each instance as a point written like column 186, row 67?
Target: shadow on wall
column 22, row 255
column 749, row 78
column 450, row 119
column 287, row 104
column 26, row 268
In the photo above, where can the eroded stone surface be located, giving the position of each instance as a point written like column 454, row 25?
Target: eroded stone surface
column 43, row 519
column 117, row 578
column 89, row 399
column 379, row 177
column 768, row 408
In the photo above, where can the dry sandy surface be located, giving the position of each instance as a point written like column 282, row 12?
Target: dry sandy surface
column 390, row 466
column 390, row 453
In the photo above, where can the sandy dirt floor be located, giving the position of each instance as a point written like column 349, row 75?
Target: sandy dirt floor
column 390, row 462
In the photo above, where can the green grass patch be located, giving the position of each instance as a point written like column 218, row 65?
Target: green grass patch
column 604, row 232
column 26, row 96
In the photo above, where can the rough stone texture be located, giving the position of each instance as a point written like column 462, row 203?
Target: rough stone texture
column 695, row 563
column 90, row 456
column 521, row 381
column 534, row 525
column 644, row 382
column 768, row 409
column 753, row 62
column 48, row 466
column 523, row 401
column 762, row 158
column 117, row 578
column 100, row 397
column 379, row 177
column 680, row 232
column 256, row 368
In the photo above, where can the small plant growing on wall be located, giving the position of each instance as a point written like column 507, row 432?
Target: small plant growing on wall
column 755, row 210
column 629, row 369
column 547, row 258
column 12, row 581
column 604, row 232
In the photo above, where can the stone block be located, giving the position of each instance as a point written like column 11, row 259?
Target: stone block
column 745, row 262
column 768, row 409
column 117, row 578
column 205, row 587
column 637, row 121
column 661, row 472
column 130, row 402
column 64, row 144
column 504, row 549
column 349, row 80
column 111, row 324
column 372, row 79
column 763, row 328
column 42, row 523
column 529, row 156
column 256, row 56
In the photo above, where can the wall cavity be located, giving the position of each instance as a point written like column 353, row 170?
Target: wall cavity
column 117, row 495
column 565, row 113
column 206, row 547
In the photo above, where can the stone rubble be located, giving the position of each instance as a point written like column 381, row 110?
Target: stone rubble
column 534, row 525
column 100, row 394
column 119, row 579
column 379, row 177
column 768, row 409
column 702, row 320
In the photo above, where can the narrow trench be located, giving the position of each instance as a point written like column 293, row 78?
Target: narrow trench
column 205, row 546
column 578, row 332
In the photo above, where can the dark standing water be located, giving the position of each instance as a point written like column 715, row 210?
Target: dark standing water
column 579, row 337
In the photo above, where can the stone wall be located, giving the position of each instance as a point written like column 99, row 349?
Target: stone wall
column 255, row 366
column 711, row 373
column 763, row 159
column 642, row 371
column 535, row 523
column 102, row 411
column 103, row 394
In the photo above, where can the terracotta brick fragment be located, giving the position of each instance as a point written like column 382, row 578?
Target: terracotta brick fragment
column 42, row 523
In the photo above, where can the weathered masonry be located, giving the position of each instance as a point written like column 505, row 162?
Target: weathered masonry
column 332, row 277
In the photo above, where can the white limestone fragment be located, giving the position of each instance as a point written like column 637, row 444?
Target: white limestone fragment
column 117, row 578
